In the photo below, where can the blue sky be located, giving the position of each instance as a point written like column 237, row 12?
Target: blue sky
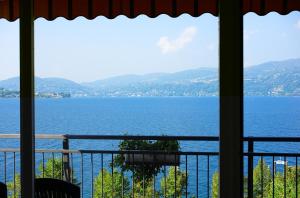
column 83, row 50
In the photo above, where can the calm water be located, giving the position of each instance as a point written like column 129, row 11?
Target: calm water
column 264, row 116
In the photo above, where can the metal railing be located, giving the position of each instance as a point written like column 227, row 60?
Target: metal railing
column 192, row 177
column 269, row 159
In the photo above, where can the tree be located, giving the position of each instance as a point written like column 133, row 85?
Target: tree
column 258, row 179
column 146, row 189
column 261, row 179
column 265, row 178
column 144, row 171
column 14, row 187
column 114, row 185
column 290, row 183
column 170, row 183
column 53, row 169
column 215, row 185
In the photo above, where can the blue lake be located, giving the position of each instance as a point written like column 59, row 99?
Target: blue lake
column 264, row 116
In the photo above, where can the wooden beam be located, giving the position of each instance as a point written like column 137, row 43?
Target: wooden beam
column 231, row 99
column 27, row 128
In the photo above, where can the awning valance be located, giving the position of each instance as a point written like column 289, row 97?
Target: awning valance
column 90, row 9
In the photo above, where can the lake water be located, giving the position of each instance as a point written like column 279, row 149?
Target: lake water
column 264, row 116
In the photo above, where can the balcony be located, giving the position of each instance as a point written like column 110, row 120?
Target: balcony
column 192, row 170
column 82, row 163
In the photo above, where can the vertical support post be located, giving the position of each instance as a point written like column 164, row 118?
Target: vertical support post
column 27, row 126
column 250, row 168
column 66, row 160
column 231, row 98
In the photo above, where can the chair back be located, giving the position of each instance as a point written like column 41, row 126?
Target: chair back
column 3, row 190
column 54, row 188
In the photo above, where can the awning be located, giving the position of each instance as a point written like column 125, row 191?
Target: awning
column 90, row 9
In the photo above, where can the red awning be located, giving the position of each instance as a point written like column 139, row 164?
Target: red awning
column 70, row 9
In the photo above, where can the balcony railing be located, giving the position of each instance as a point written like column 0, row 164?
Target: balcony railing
column 190, row 172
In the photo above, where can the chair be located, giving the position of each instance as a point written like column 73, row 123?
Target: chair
column 54, row 188
column 3, row 190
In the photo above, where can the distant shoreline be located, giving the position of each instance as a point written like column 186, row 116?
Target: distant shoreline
column 144, row 97
column 279, row 78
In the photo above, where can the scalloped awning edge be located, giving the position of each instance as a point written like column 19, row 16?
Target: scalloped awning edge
column 90, row 9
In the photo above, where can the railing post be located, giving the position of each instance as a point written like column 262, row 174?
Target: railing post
column 66, row 160
column 250, row 168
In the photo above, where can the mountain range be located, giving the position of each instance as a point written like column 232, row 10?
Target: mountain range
column 276, row 78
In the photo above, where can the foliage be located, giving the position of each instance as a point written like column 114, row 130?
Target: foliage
column 261, row 179
column 265, row 177
column 147, row 189
column 52, row 169
column 290, row 183
column 169, row 184
column 144, row 172
column 113, row 185
column 215, row 185
column 14, row 187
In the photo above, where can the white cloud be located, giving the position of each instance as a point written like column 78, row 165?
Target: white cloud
column 166, row 45
column 298, row 24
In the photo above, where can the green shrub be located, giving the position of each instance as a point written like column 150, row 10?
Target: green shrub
column 169, row 184
column 265, row 177
column 146, row 171
column 112, row 186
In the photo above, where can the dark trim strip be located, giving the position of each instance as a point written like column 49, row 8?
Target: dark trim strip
column 131, row 8
column 258, row 154
column 110, row 9
column 285, row 7
column 90, row 9
column 196, row 8
column 272, row 139
column 174, row 7
column 11, row 9
column 50, row 9
column 70, row 9
column 218, row 7
column 153, row 8
column 262, row 7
